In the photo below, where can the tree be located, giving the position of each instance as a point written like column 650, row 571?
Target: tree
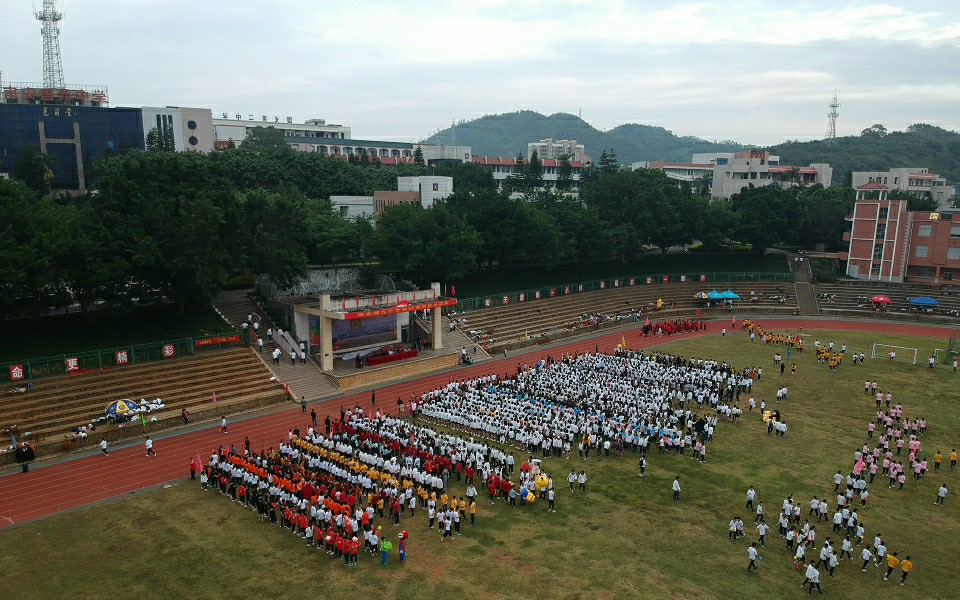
column 160, row 140
column 875, row 129
column 608, row 161
column 564, row 174
column 418, row 157
column 264, row 138
column 916, row 201
column 34, row 169
column 703, row 185
column 517, row 181
column 765, row 216
column 823, row 213
column 533, row 173
column 278, row 235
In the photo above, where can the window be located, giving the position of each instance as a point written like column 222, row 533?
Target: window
column 883, row 213
column 343, row 211
column 193, row 140
column 875, row 269
column 436, row 187
column 191, row 124
column 922, row 251
column 953, row 253
column 878, row 252
column 955, row 232
column 881, row 231
column 924, row 231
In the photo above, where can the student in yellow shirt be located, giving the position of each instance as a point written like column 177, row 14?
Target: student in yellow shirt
column 892, row 563
column 937, row 459
column 443, row 500
column 473, row 513
column 953, row 458
column 905, row 567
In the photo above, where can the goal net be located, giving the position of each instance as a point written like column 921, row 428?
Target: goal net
column 889, row 352
column 946, row 356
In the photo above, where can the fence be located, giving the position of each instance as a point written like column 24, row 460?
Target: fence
column 616, row 282
column 18, row 372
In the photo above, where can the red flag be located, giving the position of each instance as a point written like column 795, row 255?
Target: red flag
column 199, row 461
column 286, row 389
column 453, row 290
column 214, row 396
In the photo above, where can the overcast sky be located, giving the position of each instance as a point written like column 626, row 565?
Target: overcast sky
column 756, row 72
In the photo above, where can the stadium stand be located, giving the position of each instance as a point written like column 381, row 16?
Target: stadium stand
column 853, row 298
column 55, row 406
column 517, row 324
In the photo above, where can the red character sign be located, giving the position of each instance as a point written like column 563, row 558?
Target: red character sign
column 683, row 279
column 169, row 350
column 73, row 365
column 487, row 302
column 632, row 281
column 603, row 284
column 523, row 297
column 566, row 290
column 649, row 280
column 536, row 294
column 123, row 357
column 506, row 299
column 580, row 288
column 703, row 279
column 17, row 373
column 666, row 279
column 553, row 293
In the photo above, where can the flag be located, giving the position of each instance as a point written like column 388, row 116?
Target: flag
column 286, row 389
column 214, row 396
column 859, row 466
column 453, row 290
column 623, row 342
column 199, row 461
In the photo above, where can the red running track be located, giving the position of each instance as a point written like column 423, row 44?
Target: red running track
column 77, row 482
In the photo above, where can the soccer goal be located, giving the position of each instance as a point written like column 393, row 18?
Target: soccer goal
column 888, row 352
column 945, row 356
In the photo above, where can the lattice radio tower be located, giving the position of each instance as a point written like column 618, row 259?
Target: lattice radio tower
column 832, row 121
column 52, row 67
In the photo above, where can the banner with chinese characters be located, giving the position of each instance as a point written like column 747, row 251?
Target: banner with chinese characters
column 222, row 339
column 123, row 357
column 396, row 310
column 169, row 350
column 17, row 372
column 73, row 364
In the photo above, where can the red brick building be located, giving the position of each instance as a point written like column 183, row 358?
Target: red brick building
column 890, row 243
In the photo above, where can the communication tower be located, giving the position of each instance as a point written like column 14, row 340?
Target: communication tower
column 52, row 67
column 832, row 120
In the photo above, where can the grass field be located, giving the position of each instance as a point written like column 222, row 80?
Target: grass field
column 60, row 334
column 624, row 538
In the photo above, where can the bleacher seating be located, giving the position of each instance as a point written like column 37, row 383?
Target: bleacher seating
column 56, row 405
column 501, row 326
column 853, row 297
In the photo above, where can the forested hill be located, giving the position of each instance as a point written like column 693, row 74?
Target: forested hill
column 508, row 134
column 876, row 149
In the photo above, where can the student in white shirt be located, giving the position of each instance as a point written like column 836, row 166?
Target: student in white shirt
column 752, row 555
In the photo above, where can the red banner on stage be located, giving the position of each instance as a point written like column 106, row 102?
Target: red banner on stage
column 395, row 310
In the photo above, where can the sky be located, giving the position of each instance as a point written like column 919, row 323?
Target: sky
column 754, row 72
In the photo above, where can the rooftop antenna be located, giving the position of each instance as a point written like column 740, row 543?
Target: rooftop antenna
column 832, row 120
column 52, row 67
column 453, row 131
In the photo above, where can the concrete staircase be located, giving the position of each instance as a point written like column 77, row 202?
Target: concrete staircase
column 304, row 379
column 457, row 339
column 806, row 296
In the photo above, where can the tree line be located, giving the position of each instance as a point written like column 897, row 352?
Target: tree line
column 172, row 227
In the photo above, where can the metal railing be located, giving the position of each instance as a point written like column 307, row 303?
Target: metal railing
column 19, row 372
column 662, row 279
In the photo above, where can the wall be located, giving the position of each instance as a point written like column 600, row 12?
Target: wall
column 316, row 282
column 369, row 377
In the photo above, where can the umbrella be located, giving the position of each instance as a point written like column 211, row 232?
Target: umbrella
column 701, row 296
column 880, row 300
column 924, row 301
column 122, row 407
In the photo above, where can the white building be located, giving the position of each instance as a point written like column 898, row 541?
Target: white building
column 231, row 132
column 688, row 172
column 352, row 207
column 723, row 158
column 752, row 167
column 431, row 188
column 910, row 179
column 438, row 153
column 192, row 127
column 503, row 168
column 554, row 149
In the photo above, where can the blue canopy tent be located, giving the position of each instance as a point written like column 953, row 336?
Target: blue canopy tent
column 729, row 295
column 924, row 301
column 715, row 295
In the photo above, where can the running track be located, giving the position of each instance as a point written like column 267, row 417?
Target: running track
column 50, row 489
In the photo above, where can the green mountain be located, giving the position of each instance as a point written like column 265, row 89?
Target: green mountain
column 508, row 135
column 875, row 149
